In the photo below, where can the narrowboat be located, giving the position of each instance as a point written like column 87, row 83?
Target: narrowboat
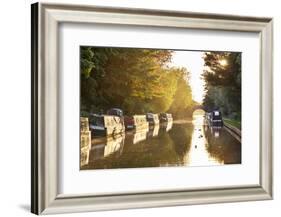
column 115, row 111
column 152, row 119
column 215, row 118
column 106, row 125
column 136, row 122
column 165, row 117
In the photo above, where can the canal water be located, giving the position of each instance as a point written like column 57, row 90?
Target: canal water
column 181, row 143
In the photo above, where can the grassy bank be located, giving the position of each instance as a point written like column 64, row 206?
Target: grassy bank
column 232, row 122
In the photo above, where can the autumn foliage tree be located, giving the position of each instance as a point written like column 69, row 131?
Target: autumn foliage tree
column 135, row 80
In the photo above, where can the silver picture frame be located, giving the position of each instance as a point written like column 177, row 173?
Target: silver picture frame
column 45, row 136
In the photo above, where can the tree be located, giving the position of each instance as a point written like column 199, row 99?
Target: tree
column 223, row 82
column 183, row 96
column 136, row 80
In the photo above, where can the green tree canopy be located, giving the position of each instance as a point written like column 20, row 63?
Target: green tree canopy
column 223, row 82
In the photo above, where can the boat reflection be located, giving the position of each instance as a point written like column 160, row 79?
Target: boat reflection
column 167, row 126
column 105, row 146
column 222, row 146
column 84, row 156
column 215, row 131
column 134, row 137
column 85, row 141
column 153, row 131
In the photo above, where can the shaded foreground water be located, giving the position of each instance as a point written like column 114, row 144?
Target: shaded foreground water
column 183, row 143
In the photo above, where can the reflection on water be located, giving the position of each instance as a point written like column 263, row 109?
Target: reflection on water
column 153, row 131
column 167, row 126
column 135, row 137
column 198, row 154
column 184, row 143
column 103, row 147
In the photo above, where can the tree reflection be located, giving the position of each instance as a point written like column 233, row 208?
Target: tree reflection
column 222, row 146
column 181, row 136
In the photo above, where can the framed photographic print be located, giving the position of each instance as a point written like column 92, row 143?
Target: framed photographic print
column 140, row 108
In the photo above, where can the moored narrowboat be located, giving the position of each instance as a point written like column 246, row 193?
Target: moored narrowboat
column 165, row 117
column 152, row 119
column 136, row 122
column 115, row 112
column 215, row 118
column 106, row 125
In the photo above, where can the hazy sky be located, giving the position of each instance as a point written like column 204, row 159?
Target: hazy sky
column 192, row 60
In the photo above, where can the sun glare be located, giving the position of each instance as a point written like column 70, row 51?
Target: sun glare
column 194, row 63
column 223, row 62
